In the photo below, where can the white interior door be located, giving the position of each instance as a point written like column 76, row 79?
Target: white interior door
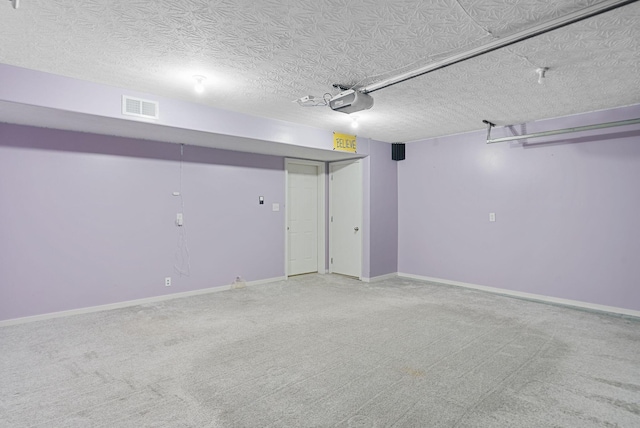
column 302, row 217
column 345, row 221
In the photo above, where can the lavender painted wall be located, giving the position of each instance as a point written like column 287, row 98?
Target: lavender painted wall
column 566, row 211
column 89, row 220
column 30, row 87
column 383, row 210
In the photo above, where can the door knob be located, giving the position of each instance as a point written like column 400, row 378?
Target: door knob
column 356, row 228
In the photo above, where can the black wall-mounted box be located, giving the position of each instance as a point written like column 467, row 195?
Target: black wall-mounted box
column 397, row 151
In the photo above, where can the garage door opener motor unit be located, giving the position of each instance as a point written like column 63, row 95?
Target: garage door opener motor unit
column 351, row 101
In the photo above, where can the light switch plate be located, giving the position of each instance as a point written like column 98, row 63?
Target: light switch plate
column 275, row 207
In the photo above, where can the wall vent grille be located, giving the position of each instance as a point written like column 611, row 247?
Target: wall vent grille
column 140, row 108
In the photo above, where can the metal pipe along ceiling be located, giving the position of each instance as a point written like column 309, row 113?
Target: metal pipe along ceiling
column 557, row 131
column 534, row 31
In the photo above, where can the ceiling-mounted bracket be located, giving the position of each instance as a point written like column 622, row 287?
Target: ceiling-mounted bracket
column 489, row 126
column 501, row 42
column 341, row 87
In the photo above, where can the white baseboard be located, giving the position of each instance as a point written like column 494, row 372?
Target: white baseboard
column 380, row 278
column 128, row 303
column 266, row 281
column 528, row 296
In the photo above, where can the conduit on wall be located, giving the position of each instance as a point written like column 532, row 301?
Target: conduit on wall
column 557, row 131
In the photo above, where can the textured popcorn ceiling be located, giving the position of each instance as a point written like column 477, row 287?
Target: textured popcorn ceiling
column 259, row 55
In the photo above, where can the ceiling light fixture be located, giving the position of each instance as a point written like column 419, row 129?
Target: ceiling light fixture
column 199, row 87
column 15, row 3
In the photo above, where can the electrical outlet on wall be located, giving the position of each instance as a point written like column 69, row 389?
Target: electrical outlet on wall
column 238, row 283
column 167, row 281
column 492, row 216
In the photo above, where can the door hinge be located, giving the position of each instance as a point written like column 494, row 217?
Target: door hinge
column 331, row 219
column 331, row 177
column 331, row 260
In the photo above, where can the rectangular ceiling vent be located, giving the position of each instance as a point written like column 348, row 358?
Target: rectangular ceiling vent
column 140, row 108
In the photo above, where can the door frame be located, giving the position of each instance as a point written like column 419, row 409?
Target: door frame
column 321, row 212
column 361, row 199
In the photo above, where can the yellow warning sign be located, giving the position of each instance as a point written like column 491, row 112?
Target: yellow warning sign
column 344, row 142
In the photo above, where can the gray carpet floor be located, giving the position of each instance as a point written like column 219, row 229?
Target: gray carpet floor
column 324, row 351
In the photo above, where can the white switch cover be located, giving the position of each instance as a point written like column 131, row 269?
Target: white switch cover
column 492, row 216
column 179, row 219
column 275, row 207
